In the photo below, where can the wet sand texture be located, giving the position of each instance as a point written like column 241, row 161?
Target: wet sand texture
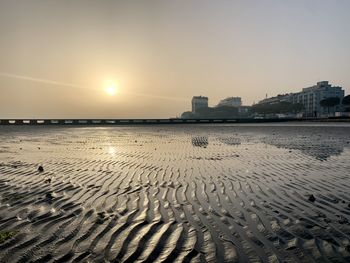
column 175, row 194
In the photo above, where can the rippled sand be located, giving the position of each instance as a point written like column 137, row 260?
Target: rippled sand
column 175, row 194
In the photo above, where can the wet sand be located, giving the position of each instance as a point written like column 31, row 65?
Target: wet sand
column 186, row 193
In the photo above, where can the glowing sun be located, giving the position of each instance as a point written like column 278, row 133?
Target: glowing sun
column 111, row 88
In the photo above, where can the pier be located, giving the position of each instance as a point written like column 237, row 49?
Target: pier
column 97, row 122
column 116, row 122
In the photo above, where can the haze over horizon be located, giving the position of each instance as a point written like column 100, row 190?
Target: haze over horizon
column 146, row 59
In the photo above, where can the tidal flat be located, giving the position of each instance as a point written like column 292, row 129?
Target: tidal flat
column 175, row 193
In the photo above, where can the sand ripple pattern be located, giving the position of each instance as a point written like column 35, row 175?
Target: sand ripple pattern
column 175, row 194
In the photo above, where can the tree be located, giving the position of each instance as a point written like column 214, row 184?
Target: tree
column 295, row 107
column 222, row 112
column 225, row 112
column 187, row 115
column 346, row 103
column 278, row 107
column 329, row 102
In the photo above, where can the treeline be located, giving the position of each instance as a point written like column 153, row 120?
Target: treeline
column 346, row 103
column 222, row 112
column 226, row 112
column 334, row 101
column 282, row 107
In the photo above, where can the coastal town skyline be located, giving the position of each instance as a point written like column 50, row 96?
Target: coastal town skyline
column 268, row 96
column 321, row 100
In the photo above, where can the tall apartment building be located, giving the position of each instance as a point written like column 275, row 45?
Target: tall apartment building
column 276, row 99
column 310, row 97
column 199, row 102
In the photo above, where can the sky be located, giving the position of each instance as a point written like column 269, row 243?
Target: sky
column 57, row 57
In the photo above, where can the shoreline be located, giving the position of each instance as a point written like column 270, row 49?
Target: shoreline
column 103, row 122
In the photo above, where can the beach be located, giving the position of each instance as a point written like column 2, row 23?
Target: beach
column 182, row 193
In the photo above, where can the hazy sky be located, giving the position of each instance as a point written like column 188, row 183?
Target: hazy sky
column 56, row 55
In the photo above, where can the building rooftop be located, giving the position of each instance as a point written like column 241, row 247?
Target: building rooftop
column 199, row 97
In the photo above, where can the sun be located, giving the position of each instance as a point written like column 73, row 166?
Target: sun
column 111, row 88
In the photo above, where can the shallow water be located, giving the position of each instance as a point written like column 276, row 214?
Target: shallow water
column 182, row 193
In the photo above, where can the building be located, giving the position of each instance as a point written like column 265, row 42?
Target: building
column 231, row 101
column 243, row 110
column 310, row 97
column 199, row 102
column 277, row 99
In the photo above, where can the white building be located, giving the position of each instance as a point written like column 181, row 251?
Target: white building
column 231, row 101
column 276, row 99
column 310, row 97
column 199, row 102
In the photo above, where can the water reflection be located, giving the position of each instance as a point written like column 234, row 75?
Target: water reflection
column 200, row 141
column 112, row 150
column 230, row 140
column 319, row 147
